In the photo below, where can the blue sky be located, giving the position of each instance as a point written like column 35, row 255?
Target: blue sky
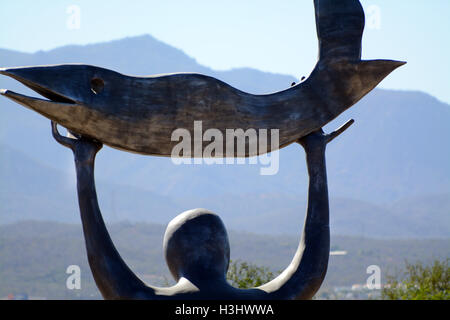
column 276, row 36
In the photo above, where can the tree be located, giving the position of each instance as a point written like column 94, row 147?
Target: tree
column 245, row 275
column 420, row 283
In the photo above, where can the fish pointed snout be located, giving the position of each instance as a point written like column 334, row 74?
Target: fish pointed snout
column 17, row 72
column 52, row 82
column 6, row 72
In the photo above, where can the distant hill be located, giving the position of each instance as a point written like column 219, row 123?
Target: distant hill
column 389, row 175
column 58, row 202
column 425, row 217
column 144, row 55
column 35, row 256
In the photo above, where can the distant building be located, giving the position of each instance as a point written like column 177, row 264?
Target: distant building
column 21, row 296
column 17, row 296
column 338, row 253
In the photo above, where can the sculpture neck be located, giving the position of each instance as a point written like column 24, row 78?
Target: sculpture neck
column 207, row 281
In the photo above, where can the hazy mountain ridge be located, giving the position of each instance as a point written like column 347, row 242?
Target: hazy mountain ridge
column 57, row 201
column 142, row 56
column 397, row 149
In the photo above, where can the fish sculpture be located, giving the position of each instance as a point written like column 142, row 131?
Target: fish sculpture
column 139, row 114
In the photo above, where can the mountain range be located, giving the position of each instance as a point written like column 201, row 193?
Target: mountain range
column 35, row 256
column 389, row 174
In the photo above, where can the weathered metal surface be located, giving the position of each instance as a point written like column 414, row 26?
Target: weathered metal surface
column 139, row 114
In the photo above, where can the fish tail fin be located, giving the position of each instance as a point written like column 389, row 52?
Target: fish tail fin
column 340, row 25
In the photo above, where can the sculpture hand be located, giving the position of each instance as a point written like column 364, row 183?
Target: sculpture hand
column 83, row 148
column 318, row 139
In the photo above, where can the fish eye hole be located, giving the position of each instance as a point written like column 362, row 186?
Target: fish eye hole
column 97, row 85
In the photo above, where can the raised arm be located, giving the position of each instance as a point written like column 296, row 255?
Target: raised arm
column 112, row 276
column 303, row 277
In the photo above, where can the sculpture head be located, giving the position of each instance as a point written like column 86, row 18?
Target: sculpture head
column 196, row 246
column 77, row 96
column 80, row 87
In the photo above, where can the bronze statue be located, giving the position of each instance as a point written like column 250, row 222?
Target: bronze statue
column 139, row 114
